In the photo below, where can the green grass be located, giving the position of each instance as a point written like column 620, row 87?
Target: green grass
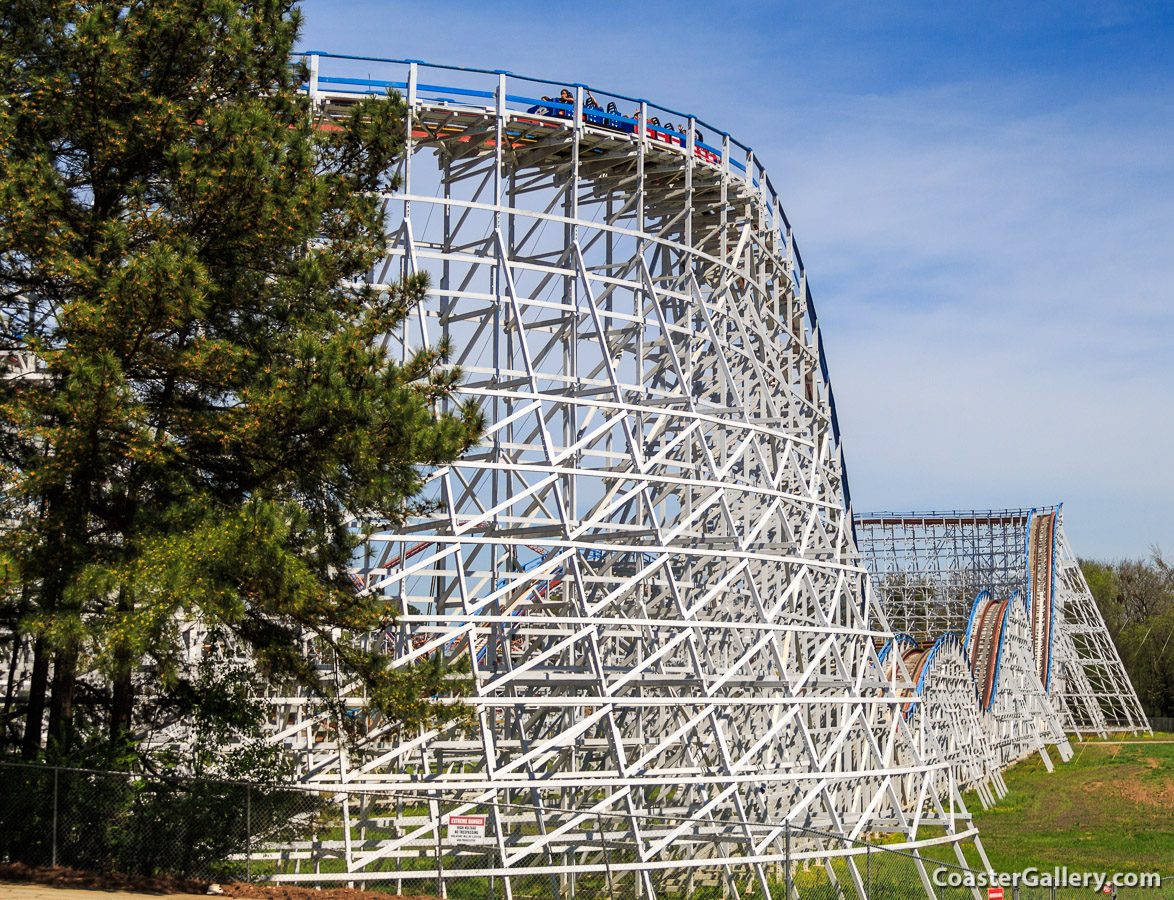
column 1110, row 808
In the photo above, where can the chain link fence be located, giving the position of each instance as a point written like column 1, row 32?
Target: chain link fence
column 137, row 824
column 451, row 848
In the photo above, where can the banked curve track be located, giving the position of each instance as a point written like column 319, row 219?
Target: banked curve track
column 984, row 643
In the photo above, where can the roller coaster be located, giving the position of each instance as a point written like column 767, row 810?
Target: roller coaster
column 681, row 641
column 945, row 716
column 973, row 573
column 650, row 563
column 699, row 607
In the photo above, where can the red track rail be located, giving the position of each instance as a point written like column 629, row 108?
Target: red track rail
column 984, row 654
column 1040, row 546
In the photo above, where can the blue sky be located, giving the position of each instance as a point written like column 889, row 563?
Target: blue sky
column 984, row 198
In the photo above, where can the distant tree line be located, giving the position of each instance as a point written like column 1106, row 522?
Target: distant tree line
column 1136, row 598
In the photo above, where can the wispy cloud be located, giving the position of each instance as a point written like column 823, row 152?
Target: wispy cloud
column 995, row 292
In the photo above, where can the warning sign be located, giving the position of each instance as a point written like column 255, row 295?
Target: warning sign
column 994, row 893
column 466, row 829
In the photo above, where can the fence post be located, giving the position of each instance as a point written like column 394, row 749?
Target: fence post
column 441, row 888
column 787, row 855
column 868, row 872
column 606, row 860
column 56, row 771
column 248, row 832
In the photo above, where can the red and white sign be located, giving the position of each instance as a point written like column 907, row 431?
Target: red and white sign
column 1107, row 889
column 466, row 828
column 994, row 893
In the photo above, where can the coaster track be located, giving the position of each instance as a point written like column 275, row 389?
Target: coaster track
column 984, row 644
column 1041, row 552
column 943, row 711
column 928, row 567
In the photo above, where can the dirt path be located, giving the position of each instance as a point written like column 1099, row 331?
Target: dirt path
column 47, row 892
column 20, row 882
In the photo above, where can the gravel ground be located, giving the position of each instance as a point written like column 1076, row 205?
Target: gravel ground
column 20, row 882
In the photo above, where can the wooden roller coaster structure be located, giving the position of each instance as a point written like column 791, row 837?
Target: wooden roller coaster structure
column 649, row 564
column 972, row 573
column 944, row 715
column 1041, row 546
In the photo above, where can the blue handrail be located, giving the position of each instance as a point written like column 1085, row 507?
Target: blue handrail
column 366, row 82
column 899, row 638
column 982, row 595
column 462, row 92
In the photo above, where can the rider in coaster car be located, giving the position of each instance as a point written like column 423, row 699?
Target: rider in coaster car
column 564, row 96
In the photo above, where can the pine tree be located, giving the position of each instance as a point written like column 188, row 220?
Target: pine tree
column 212, row 414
